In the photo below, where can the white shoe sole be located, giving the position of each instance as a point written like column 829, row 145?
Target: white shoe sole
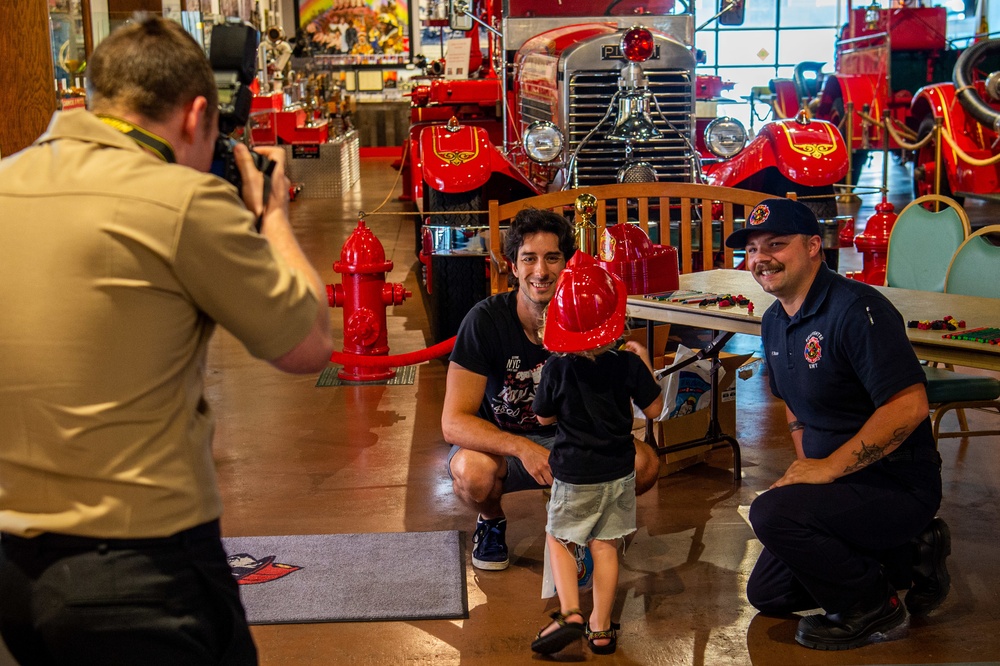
column 490, row 566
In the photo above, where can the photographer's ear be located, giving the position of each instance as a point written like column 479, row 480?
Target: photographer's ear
column 195, row 118
column 198, row 131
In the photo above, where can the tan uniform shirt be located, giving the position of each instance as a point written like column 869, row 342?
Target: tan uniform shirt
column 114, row 269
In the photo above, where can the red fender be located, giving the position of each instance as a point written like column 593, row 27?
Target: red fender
column 455, row 161
column 462, row 159
column 859, row 90
column 786, row 99
column 810, row 154
column 939, row 101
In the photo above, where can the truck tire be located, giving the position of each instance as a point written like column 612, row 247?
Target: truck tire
column 449, row 202
column 454, row 202
column 458, row 282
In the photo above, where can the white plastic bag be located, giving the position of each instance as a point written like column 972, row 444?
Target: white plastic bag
column 687, row 390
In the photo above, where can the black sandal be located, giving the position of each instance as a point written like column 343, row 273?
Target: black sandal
column 555, row 641
column 610, row 634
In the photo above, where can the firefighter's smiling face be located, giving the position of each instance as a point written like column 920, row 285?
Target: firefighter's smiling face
column 539, row 263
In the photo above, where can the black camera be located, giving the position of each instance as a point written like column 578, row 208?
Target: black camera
column 224, row 163
column 233, row 57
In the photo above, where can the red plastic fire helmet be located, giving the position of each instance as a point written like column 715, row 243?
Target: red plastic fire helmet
column 587, row 310
column 625, row 242
column 646, row 268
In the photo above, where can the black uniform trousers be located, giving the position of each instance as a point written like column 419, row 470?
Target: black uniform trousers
column 78, row 600
column 834, row 545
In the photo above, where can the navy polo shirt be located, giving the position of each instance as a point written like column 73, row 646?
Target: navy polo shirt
column 838, row 359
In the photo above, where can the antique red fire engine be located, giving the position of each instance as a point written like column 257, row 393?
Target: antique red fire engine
column 364, row 296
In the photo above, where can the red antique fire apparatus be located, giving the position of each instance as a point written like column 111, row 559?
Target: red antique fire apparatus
column 961, row 157
column 571, row 94
column 897, row 62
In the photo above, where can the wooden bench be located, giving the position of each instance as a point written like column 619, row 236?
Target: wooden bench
column 684, row 205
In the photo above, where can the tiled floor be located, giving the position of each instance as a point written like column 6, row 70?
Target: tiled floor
column 296, row 459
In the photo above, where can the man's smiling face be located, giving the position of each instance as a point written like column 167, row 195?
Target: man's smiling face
column 780, row 264
column 539, row 263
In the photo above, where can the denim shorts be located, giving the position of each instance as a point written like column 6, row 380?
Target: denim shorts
column 579, row 513
column 517, row 477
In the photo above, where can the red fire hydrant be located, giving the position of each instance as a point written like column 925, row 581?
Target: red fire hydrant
column 364, row 295
column 874, row 244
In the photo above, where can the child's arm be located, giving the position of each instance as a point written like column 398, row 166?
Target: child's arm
column 545, row 420
column 640, row 351
column 655, row 408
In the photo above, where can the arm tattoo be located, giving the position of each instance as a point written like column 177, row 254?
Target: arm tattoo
column 871, row 453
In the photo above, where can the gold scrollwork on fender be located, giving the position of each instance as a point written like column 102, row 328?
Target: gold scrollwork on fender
column 457, row 157
column 817, row 150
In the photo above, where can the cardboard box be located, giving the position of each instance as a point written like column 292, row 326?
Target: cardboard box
column 661, row 333
column 695, row 425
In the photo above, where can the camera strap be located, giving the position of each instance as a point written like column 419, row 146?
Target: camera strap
column 147, row 140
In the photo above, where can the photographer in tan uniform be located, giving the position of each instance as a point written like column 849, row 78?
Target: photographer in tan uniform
column 118, row 256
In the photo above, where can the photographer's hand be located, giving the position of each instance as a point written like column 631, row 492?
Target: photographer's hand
column 280, row 184
column 253, row 181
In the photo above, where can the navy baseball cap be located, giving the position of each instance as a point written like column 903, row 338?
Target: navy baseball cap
column 777, row 216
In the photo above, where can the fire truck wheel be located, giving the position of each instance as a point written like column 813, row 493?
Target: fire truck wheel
column 450, row 202
column 455, row 202
column 922, row 182
column 459, row 283
column 826, row 209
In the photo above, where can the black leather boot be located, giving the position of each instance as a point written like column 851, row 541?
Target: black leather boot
column 854, row 627
column 931, row 581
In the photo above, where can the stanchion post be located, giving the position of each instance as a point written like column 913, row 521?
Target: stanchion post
column 849, row 197
column 937, row 161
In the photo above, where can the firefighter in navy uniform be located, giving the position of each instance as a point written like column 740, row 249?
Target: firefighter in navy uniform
column 852, row 519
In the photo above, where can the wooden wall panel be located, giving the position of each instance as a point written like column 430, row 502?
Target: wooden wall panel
column 27, row 91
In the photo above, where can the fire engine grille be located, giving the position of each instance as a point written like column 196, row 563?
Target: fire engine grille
column 533, row 110
column 590, row 94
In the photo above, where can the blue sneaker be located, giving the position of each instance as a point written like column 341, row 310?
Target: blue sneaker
column 489, row 543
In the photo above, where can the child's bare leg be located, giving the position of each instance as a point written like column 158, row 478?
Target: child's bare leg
column 605, row 554
column 563, row 563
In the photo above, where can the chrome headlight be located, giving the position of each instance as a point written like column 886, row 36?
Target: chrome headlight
column 725, row 137
column 543, row 142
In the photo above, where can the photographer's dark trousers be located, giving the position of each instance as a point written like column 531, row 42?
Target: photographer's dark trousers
column 76, row 600
column 833, row 545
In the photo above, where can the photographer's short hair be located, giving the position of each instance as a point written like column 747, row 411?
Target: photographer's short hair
column 533, row 220
column 150, row 66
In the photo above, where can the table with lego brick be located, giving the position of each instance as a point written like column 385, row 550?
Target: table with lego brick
column 929, row 345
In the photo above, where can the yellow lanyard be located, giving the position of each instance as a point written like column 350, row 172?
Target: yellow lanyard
column 154, row 144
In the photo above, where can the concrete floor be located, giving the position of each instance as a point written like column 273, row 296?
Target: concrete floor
column 296, row 459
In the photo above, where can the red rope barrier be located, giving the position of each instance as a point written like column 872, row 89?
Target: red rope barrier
column 394, row 360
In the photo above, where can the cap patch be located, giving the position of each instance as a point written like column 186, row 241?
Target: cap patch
column 759, row 215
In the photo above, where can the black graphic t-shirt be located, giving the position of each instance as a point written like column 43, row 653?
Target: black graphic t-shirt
column 492, row 343
column 592, row 398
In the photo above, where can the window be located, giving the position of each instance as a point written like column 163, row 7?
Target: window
column 752, row 54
